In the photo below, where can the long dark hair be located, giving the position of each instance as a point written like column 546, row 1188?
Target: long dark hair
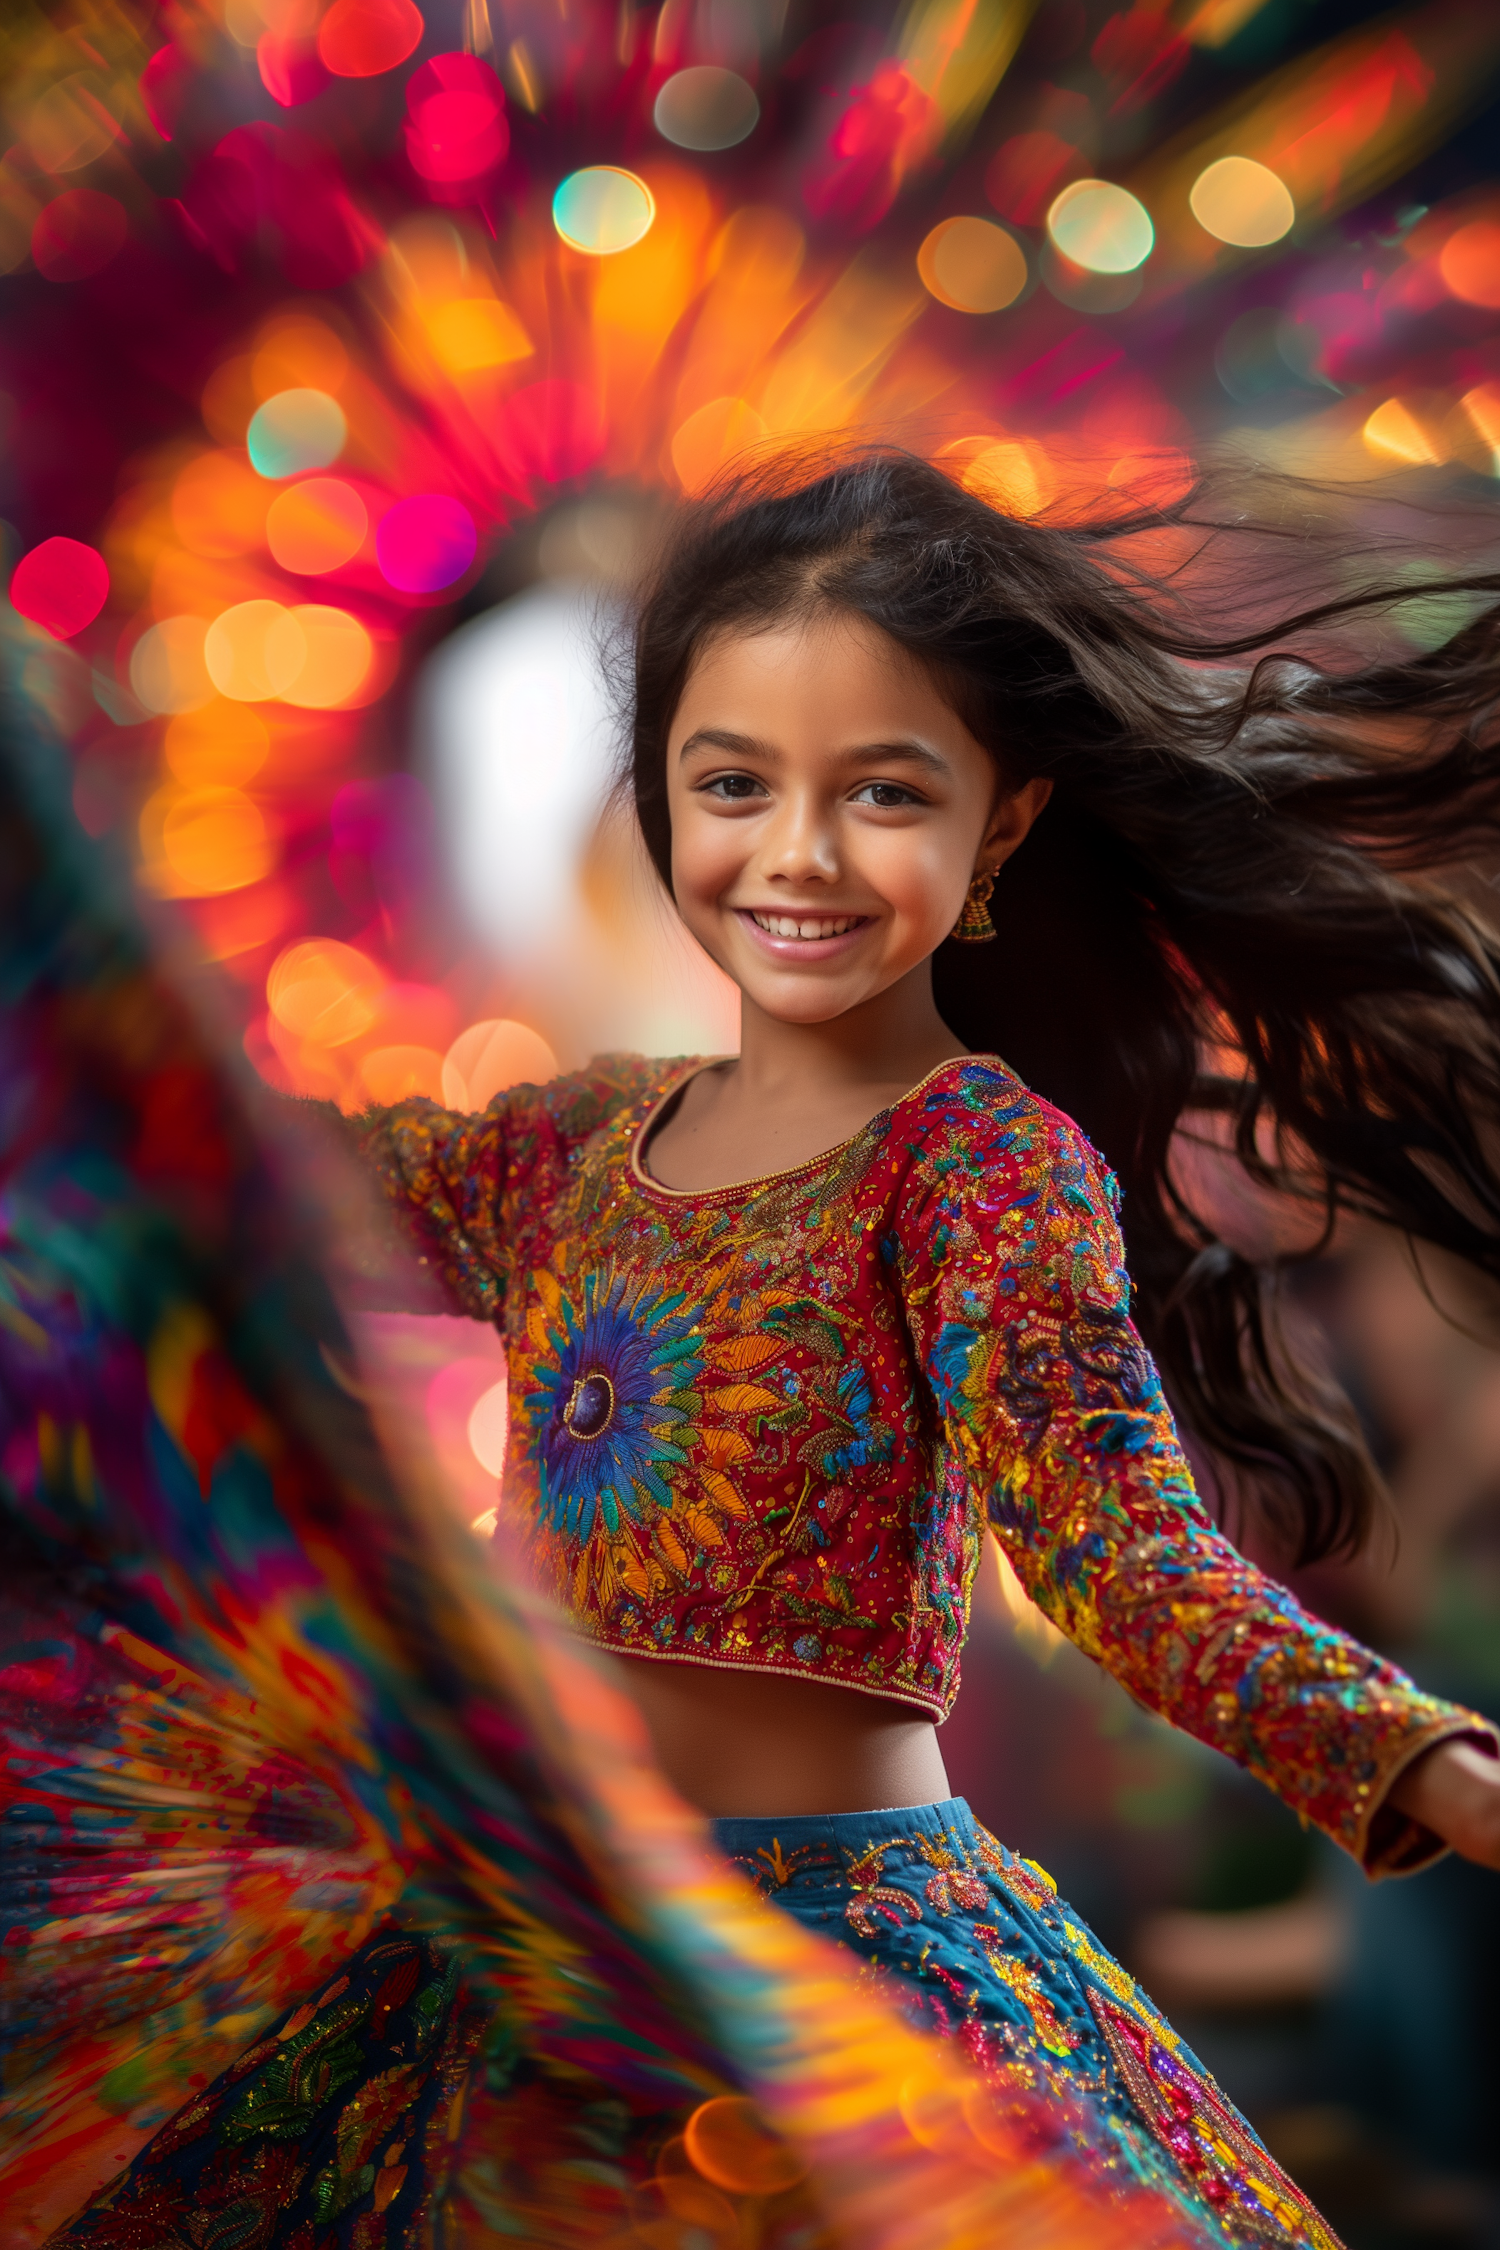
column 1236, row 860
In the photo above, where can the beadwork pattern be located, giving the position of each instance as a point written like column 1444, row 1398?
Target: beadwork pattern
column 763, row 1426
column 980, row 1949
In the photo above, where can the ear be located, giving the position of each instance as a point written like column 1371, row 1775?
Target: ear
column 1010, row 822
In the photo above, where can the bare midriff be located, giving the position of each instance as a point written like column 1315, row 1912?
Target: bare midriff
column 756, row 1745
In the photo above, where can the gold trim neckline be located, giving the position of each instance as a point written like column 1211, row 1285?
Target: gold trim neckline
column 679, row 1085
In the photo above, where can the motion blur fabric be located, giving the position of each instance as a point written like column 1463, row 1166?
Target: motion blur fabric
column 762, row 1426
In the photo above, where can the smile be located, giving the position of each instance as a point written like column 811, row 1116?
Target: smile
column 807, row 925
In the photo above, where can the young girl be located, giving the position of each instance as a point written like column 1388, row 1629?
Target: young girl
column 786, row 1332
column 987, row 847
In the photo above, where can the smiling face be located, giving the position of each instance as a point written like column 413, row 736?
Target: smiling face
column 828, row 812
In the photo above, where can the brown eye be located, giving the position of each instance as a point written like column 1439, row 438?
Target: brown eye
column 888, row 795
column 733, row 785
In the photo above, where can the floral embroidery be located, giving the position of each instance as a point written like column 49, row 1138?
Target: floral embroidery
column 767, row 1426
column 613, row 1402
column 871, row 1897
column 1025, row 1982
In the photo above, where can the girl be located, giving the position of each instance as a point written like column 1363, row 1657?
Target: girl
column 986, row 848
column 786, row 1332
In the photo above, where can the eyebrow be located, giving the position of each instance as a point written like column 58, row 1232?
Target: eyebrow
column 746, row 745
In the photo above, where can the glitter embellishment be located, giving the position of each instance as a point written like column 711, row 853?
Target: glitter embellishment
column 1250, row 2195
column 770, row 1426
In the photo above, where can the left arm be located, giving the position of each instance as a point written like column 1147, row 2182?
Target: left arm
column 1019, row 1299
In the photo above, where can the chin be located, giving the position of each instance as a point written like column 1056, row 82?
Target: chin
column 803, row 1007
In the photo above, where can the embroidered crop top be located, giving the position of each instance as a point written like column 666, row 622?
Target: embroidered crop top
column 763, row 1426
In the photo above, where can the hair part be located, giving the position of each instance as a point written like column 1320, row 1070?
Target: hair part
column 1227, row 909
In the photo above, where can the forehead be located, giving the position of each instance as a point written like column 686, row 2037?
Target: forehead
column 831, row 662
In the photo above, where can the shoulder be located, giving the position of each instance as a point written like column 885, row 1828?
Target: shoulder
column 985, row 1150
column 522, row 1126
column 584, row 1102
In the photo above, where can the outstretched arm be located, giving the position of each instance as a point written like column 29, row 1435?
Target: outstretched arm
column 1454, row 1789
column 471, row 1191
column 1021, row 1302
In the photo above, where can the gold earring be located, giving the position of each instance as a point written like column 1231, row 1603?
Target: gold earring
column 974, row 926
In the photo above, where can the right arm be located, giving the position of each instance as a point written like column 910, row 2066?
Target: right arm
column 469, row 1191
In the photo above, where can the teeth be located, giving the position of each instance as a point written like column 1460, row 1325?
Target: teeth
column 786, row 925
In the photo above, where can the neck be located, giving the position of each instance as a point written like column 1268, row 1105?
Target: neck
column 894, row 1039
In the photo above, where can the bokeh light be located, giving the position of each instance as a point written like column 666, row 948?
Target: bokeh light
column 316, row 526
column 67, row 126
column 490, row 1056
column 297, row 352
column 167, row 668
column 254, row 651
column 77, row 234
column 61, row 585
column 716, row 434
column 1013, row 475
column 294, row 431
column 1101, row 227
column 219, row 506
column 362, row 38
column 337, row 653
column 393, row 1074
column 972, row 265
column 1241, row 202
column 603, row 210
column 426, row 543
column 469, row 333
column 1469, row 263
column 324, row 991
column 706, row 107
column 199, row 842
column 218, row 742
column 1480, row 409
column 1394, row 431
column 489, row 1427
column 456, row 131
column 729, row 2141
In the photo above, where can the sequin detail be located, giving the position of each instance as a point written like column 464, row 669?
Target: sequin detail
column 976, row 1945
column 1207, row 2137
column 767, row 1426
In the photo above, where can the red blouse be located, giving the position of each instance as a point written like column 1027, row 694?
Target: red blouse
column 763, row 1426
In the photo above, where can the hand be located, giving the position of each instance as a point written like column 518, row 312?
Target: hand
column 1454, row 1789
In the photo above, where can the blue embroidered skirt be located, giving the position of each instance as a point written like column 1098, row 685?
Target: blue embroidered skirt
column 974, row 1943
column 334, row 2130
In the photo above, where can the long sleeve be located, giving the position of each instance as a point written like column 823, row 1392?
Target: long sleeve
column 1019, row 1301
column 473, row 1192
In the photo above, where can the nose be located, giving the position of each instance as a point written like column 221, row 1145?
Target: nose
column 800, row 844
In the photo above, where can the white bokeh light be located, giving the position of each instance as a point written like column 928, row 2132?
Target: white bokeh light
column 515, row 715
column 519, row 740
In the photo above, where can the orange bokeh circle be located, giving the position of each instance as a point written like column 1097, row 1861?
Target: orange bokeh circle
column 316, row 525
column 730, row 2143
column 1469, row 263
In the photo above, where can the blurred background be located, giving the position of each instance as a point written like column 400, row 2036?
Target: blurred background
column 350, row 351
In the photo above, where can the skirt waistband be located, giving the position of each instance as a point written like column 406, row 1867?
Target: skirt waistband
column 856, row 1832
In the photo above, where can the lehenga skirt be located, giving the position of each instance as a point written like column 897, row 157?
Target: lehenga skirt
column 331, row 2132
column 974, row 1943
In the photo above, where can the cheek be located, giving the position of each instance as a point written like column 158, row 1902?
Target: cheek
column 706, row 854
column 921, row 873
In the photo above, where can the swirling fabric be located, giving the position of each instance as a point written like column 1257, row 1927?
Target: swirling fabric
column 268, row 1710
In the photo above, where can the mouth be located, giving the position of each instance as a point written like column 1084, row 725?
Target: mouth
column 794, row 938
column 807, row 926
